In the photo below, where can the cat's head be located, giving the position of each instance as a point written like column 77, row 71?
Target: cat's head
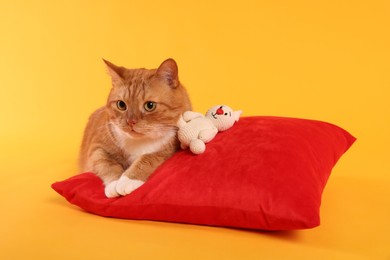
column 146, row 103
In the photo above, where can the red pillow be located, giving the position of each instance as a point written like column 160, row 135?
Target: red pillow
column 264, row 173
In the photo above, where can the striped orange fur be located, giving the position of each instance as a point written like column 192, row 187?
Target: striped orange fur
column 128, row 138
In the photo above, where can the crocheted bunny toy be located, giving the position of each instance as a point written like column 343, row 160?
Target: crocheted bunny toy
column 195, row 129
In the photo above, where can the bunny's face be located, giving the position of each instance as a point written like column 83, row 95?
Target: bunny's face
column 223, row 117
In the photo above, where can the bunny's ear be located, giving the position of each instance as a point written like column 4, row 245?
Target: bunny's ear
column 237, row 114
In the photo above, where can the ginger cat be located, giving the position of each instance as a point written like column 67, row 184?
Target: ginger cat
column 126, row 140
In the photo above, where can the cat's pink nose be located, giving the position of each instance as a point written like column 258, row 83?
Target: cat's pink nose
column 131, row 121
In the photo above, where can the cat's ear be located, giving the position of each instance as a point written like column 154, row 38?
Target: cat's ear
column 168, row 72
column 116, row 73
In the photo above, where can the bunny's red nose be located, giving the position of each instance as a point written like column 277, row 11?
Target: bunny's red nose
column 220, row 111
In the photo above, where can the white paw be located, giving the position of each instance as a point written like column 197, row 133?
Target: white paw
column 110, row 190
column 126, row 185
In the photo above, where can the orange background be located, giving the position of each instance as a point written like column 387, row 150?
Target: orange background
column 325, row 60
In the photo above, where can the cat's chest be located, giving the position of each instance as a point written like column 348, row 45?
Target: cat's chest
column 136, row 147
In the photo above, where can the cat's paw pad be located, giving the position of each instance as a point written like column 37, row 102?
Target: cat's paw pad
column 126, row 185
column 110, row 190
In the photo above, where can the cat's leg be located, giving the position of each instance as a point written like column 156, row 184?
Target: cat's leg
column 139, row 172
column 107, row 169
column 126, row 185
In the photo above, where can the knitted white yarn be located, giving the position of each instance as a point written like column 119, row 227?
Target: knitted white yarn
column 195, row 129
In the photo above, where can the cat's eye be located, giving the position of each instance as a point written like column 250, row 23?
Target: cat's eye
column 150, row 106
column 121, row 105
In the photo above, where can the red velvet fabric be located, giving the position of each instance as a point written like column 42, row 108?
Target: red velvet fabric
column 264, row 173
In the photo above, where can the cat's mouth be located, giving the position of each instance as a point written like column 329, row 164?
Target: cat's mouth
column 149, row 132
column 134, row 133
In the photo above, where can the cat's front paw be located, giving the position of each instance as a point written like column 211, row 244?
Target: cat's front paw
column 126, row 185
column 110, row 190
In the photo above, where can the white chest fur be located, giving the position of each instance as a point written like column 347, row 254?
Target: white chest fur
column 135, row 147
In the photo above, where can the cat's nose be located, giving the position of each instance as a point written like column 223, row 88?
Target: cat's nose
column 131, row 121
